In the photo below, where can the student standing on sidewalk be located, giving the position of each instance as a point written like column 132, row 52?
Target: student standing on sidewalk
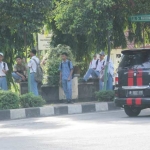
column 20, row 69
column 3, row 71
column 33, row 67
column 66, row 70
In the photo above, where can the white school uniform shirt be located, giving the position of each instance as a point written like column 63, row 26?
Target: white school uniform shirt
column 100, row 65
column 93, row 64
column 32, row 65
column 2, row 68
column 110, row 66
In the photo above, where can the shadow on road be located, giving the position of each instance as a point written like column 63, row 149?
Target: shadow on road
column 109, row 118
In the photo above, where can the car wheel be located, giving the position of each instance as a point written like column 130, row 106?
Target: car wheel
column 132, row 111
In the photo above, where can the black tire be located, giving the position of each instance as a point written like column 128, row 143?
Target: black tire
column 132, row 111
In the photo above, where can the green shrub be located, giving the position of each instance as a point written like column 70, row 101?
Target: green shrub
column 29, row 100
column 8, row 100
column 105, row 95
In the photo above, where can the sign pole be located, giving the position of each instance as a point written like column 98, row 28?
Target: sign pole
column 107, row 63
column 143, row 37
column 108, row 56
column 105, row 77
column 37, row 45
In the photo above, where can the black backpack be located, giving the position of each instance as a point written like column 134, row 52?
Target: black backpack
column 69, row 65
column 39, row 73
column 97, row 63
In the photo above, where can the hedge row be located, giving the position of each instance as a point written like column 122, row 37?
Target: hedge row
column 10, row 100
column 105, row 95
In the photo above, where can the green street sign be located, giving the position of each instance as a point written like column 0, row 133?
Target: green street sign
column 140, row 18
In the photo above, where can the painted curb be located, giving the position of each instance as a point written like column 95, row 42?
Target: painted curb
column 57, row 110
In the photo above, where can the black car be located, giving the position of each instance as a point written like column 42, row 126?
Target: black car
column 133, row 82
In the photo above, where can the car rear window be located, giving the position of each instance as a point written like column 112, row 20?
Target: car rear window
column 137, row 59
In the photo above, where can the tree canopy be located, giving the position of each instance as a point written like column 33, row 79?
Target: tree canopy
column 94, row 18
column 82, row 25
column 19, row 19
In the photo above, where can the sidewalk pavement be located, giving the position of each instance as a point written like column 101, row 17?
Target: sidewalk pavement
column 58, row 109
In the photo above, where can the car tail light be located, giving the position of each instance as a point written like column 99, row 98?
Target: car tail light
column 116, row 80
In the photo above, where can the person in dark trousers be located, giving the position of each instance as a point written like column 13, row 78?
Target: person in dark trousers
column 3, row 72
column 20, row 69
column 33, row 67
column 66, row 70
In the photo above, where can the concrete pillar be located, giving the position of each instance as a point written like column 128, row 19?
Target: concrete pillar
column 74, row 89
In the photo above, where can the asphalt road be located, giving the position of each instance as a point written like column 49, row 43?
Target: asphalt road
column 111, row 130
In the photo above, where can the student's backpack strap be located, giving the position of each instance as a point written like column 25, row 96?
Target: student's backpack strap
column 97, row 62
column 35, row 61
column 69, row 64
column 61, row 65
column 103, row 63
column 4, row 65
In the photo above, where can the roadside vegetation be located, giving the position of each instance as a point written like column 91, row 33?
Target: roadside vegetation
column 105, row 96
column 11, row 100
column 81, row 25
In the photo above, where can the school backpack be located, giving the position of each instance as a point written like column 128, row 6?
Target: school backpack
column 69, row 65
column 97, row 63
column 39, row 73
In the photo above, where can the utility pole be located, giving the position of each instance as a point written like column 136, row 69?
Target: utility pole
column 108, row 58
column 143, row 36
column 109, row 28
column 28, row 70
column 37, row 48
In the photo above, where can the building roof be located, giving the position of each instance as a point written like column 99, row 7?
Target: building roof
column 133, row 50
